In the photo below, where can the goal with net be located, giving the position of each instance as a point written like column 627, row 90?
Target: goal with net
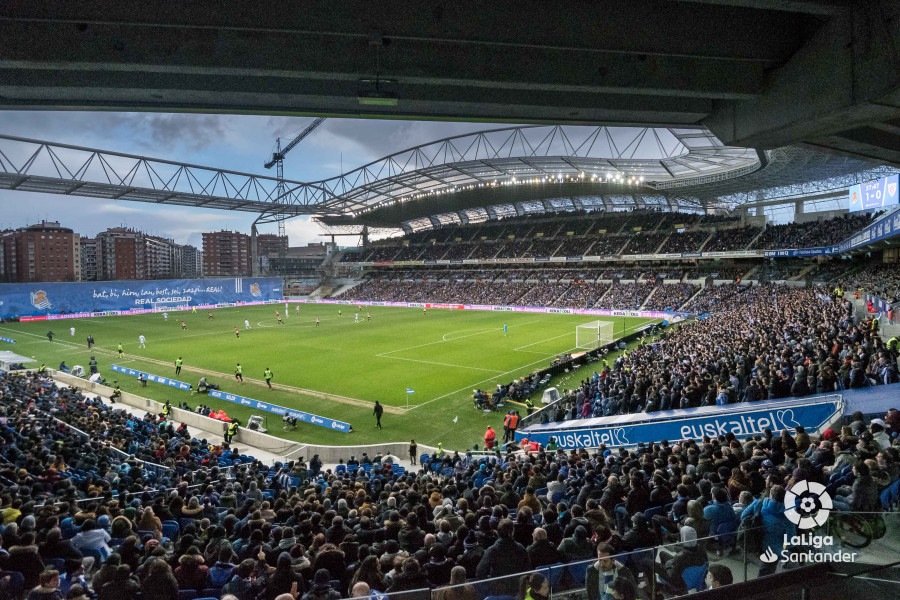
column 594, row 335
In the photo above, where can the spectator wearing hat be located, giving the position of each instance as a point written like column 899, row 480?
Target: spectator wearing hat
column 672, row 565
column 438, row 567
column 321, row 588
column 577, row 547
column 473, row 552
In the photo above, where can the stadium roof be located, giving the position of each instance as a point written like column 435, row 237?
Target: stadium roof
column 555, row 168
column 467, row 178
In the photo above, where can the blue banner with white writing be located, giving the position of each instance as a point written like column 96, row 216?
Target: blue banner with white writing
column 742, row 420
column 151, row 377
column 6, row 339
column 26, row 299
column 280, row 410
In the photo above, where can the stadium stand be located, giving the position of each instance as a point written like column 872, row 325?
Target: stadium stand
column 608, row 235
column 257, row 532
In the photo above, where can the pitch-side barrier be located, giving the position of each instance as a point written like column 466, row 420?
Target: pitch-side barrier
column 743, row 420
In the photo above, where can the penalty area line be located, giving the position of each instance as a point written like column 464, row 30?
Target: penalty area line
column 625, row 331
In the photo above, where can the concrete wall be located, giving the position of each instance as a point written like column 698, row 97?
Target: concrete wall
column 245, row 437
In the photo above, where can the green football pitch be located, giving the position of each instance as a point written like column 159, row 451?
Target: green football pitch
column 336, row 370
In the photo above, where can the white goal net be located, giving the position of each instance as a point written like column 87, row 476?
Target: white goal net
column 593, row 335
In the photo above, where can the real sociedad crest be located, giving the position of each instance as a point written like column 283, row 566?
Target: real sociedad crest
column 39, row 300
column 254, row 290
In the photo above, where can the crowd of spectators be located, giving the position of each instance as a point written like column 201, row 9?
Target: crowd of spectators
column 882, row 280
column 716, row 271
column 544, row 295
column 254, row 532
column 779, row 270
column 627, row 296
column 671, row 297
column 583, row 295
column 714, row 298
column 812, row 234
column 759, row 343
column 644, row 243
column 587, row 239
column 689, row 241
column 517, row 288
column 737, row 238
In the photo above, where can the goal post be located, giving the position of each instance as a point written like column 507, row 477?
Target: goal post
column 595, row 334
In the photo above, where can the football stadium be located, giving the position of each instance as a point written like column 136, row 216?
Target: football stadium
column 450, row 302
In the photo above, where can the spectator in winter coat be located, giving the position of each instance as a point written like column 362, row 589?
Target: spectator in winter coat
column 775, row 525
column 671, row 566
column 577, row 547
column 159, row 583
column 864, row 496
column 92, row 537
column 504, row 557
column 48, row 587
column 542, row 552
column 411, row 577
column 640, row 535
column 191, row 573
column 321, row 588
column 122, row 587
column 720, row 516
column 602, row 575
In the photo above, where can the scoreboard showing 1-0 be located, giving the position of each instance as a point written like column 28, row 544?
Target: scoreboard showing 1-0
column 874, row 194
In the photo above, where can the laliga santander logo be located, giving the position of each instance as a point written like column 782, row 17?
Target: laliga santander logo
column 808, row 504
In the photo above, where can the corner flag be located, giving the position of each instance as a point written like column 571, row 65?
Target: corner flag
column 410, row 391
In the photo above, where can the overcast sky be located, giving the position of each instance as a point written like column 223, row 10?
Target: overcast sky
column 239, row 143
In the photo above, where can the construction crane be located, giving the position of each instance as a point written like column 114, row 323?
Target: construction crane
column 278, row 160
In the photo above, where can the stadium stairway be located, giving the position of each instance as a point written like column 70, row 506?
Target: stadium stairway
column 802, row 274
column 697, row 293
column 753, row 241
column 647, row 299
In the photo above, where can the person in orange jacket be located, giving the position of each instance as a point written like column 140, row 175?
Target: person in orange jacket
column 490, row 437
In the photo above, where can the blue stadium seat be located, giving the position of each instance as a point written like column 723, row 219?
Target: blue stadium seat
column 340, row 469
column 58, row 563
column 16, row 583
column 556, row 573
column 890, row 496
column 171, row 529
column 578, row 571
column 695, row 577
column 187, row 594
column 93, row 553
